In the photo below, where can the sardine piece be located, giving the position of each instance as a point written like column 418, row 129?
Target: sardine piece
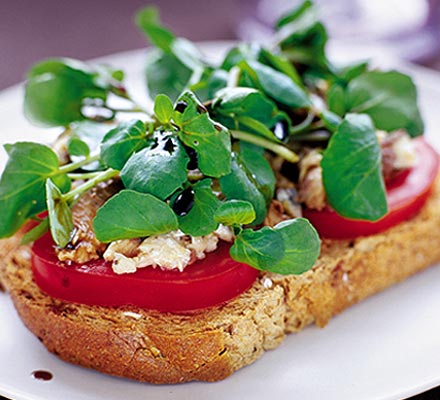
column 84, row 246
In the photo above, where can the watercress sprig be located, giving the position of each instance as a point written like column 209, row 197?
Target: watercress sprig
column 202, row 158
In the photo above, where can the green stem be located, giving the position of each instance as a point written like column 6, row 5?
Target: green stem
column 303, row 125
column 135, row 109
column 74, row 166
column 233, row 77
column 279, row 149
column 84, row 176
column 101, row 177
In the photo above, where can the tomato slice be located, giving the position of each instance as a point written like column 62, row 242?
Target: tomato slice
column 406, row 195
column 208, row 282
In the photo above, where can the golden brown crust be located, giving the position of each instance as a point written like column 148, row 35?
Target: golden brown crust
column 211, row 344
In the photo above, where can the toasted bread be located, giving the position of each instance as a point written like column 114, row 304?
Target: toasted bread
column 211, row 344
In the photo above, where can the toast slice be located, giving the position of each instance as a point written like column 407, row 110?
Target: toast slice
column 211, row 344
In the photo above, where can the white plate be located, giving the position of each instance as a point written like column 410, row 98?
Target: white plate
column 386, row 347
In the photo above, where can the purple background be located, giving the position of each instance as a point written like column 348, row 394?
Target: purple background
column 34, row 29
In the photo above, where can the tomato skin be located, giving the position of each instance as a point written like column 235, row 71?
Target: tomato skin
column 208, row 282
column 406, row 195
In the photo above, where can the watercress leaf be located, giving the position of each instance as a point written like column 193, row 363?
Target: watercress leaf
column 36, row 232
column 235, row 212
column 259, row 169
column 163, row 108
column 242, row 52
column 252, row 125
column 60, row 215
column 188, row 54
column 281, row 64
column 302, row 37
column 22, row 185
column 88, row 134
column 159, row 169
column 121, row 142
column 352, row 171
column 278, row 85
column 77, row 147
column 330, row 120
column 206, row 85
column 389, row 98
column 199, row 221
column 351, row 71
column 212, row 144
column 294, row 14
column 210, row 140
column 56, row 89
column 260, row 249
column 130, row 214
column 336, row 99
column 147, row 19
column 302, row 247
column 241, row 185
column 165, row 74
column 243, row 101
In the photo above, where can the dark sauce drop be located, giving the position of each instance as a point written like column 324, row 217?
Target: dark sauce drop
column 281, row 130
column 42, row 375
column 193, row 164
column 184, row 202
column 181, row 106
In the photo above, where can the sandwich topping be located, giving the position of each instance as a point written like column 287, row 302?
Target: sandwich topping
column 173, row 250
column 245, row 160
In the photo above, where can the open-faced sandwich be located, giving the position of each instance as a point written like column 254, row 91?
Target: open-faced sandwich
column 264, row 193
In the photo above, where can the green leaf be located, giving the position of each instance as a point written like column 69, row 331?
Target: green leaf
column 147, row 19
column 260, row 249
column 165, row 74
column 77, row 147
column 60, row 215
column 36, row 232
column 242, row 52
column 170, row 69
column 22, row 185
column 130, row 214
column 389, row 98
column 302, row 247
column 241, row 185
column 163, row 108
column 302, row 37
column 351, row 71
column 56, row 89
column 277, row 85
column 159, row 169
column 122, row 142
column 210, row 140
column 212, row 83
column 281, row 64
column 200, row 219
column 87, row 134
column 352, row 170
column 330, row 120
column 235, row 212
column 253, row 125
column 247, row 109
column 336, row 99
column 259, row 169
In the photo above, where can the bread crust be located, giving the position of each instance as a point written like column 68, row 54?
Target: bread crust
column 209, row 345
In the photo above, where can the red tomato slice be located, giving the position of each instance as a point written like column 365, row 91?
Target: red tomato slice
column 406, row 196
column 208, row 282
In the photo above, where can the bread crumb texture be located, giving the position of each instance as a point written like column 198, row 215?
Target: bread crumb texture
column 211, row 344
